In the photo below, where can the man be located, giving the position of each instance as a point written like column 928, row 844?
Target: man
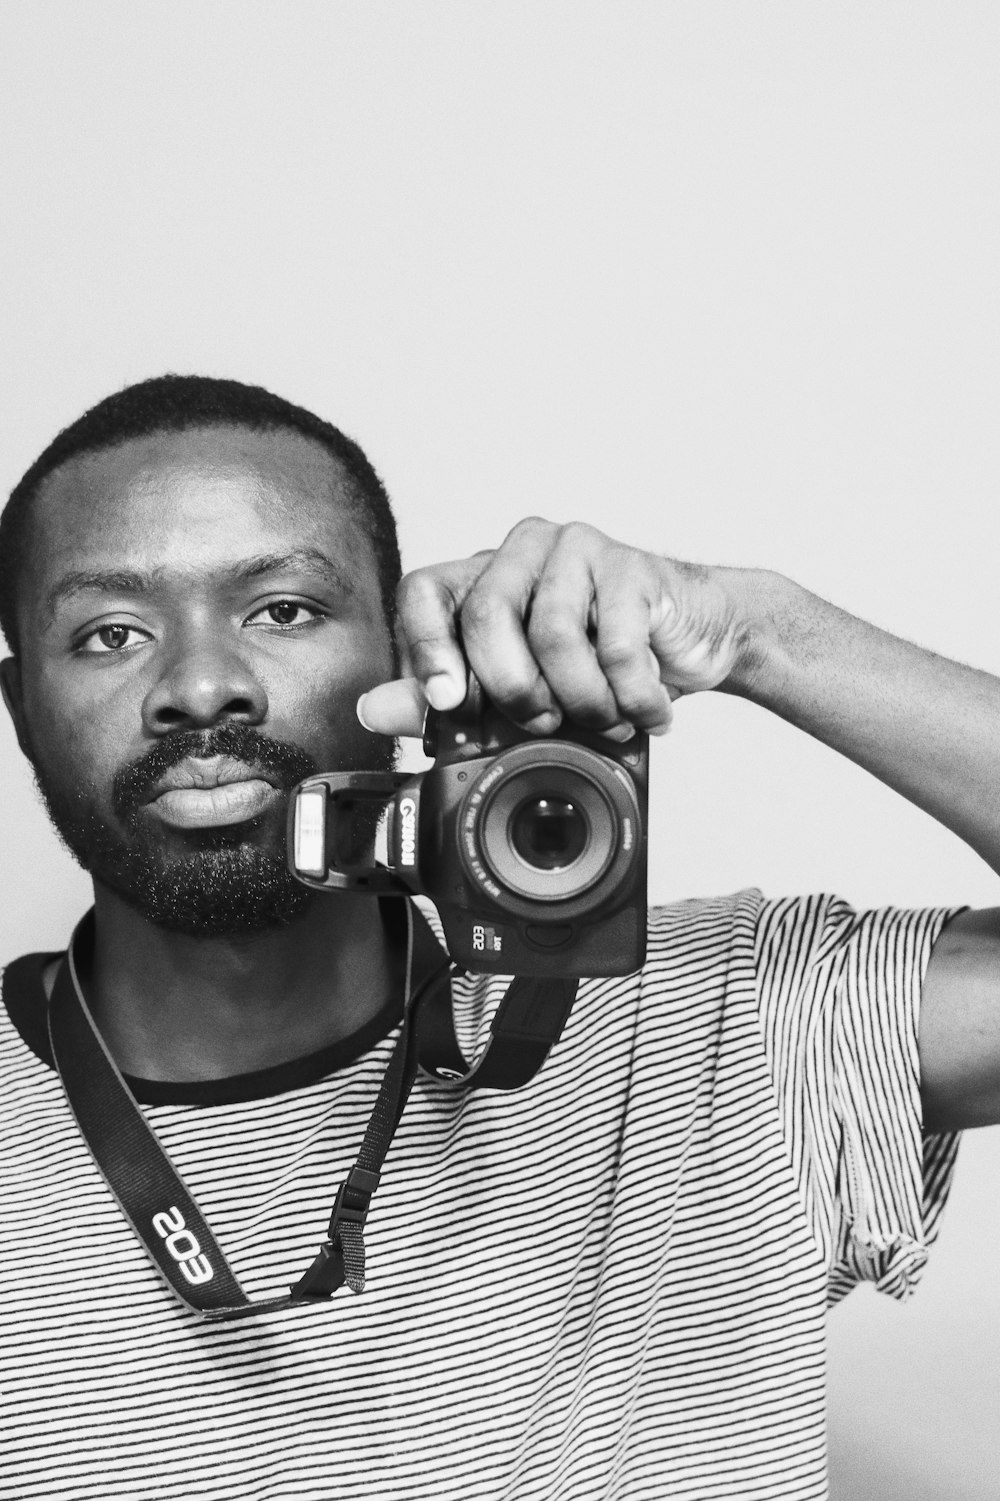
column 610, row 1283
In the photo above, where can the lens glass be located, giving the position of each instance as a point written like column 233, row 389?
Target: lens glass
column 548, row 833
column 545, row 825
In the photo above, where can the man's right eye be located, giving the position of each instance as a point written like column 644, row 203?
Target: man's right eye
column 112, row 638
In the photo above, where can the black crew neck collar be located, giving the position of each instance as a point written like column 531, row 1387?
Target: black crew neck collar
column 24, row 997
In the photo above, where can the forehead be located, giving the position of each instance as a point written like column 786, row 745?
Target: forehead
column 184, row 500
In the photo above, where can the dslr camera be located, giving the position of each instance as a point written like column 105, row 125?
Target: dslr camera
column 532, row 850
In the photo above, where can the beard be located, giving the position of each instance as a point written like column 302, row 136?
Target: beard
column 224, row 881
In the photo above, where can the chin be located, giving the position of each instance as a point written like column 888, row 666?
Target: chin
column 219, row 910
column 225, row 889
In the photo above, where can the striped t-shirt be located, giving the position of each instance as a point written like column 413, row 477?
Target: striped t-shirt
column 608, row 1284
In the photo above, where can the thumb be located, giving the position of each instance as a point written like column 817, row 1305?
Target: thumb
column 395, row 708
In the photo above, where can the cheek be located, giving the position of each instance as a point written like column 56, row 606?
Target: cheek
column 321, row 718
column 322, row 700
column 327, row 726
column 81, row 742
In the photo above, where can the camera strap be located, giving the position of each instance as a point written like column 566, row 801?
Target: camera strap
column 163, row 1212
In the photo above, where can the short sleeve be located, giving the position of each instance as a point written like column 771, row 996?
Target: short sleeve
column 839, row 994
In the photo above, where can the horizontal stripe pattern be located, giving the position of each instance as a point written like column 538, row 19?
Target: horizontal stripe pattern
column 609, row 1284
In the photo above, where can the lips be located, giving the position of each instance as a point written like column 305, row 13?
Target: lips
column 212, row 791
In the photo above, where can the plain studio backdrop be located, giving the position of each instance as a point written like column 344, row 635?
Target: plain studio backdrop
column 718, row 278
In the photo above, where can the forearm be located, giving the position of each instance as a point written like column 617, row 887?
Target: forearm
column 562, row 622
column 926, row 726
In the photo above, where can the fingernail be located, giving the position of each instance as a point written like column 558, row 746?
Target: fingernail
column 442, row 692
column 543, row 724
column 360, row 712
column 619, row 733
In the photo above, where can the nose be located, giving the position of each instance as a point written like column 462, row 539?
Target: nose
column 206, row 682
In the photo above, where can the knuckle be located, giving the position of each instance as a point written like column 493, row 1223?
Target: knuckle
column 520, row 689
column 553, row 628
column 529, row 527
column 642, row 701
column 577, row 531
column 592, row 713
column 414, row 590
column 618, row 654
column 424, row 642
column 426, row 657
column 640, row 706
column 520, row 694
column 634, row 687
column 480, row 611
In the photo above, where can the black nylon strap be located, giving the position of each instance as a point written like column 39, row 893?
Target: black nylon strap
column 345, row 1236
column 528, row 1022
column 151, row 1193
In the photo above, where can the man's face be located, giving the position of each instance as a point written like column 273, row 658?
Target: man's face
column 200, row 614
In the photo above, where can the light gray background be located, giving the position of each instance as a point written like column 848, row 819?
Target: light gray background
column 720, row 278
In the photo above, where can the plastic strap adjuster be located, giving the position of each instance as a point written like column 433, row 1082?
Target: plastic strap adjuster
column 347, row 1223
column 353, row 1199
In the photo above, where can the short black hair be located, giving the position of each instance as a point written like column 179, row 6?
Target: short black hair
column 174, row 403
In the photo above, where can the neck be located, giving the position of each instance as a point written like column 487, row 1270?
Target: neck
column 179, row 1009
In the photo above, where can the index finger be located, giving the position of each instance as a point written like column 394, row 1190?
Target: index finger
column 428, row 603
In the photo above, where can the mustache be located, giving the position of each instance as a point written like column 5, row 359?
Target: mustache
column 133, row 784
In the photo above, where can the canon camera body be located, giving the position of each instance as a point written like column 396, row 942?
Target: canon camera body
column 532, row 850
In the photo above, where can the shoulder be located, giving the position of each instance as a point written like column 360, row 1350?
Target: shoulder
column 24, row 987
column 719, row 916
column 688, row 935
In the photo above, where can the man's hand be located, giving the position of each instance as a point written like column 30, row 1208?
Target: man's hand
column 562, row 622
column 559, row 622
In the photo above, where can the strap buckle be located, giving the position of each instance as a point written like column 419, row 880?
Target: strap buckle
column 341, row 1257
column 353, row 1201
column 347, row 1223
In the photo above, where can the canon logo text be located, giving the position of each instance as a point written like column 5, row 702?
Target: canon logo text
column 407, row 831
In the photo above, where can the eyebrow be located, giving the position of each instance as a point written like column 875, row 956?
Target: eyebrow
column 129, row 581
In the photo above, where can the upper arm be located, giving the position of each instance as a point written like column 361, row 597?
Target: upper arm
column 839, row 994
column 959, row 1035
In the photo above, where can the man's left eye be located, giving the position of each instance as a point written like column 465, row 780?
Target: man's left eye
column 286, row 612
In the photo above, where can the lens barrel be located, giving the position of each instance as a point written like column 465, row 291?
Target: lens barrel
column 550, row 822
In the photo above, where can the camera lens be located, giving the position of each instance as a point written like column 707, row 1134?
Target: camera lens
column 547, row 829
column 549, row 833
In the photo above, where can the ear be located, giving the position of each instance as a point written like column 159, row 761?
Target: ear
column 10, row 687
